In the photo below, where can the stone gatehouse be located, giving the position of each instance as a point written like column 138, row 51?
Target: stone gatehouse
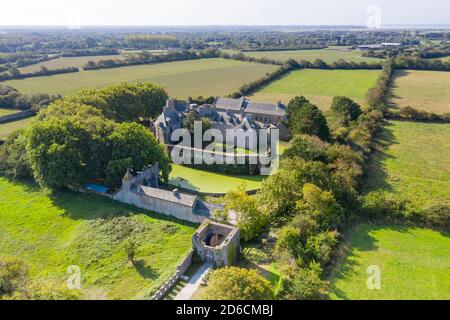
column 217, row 243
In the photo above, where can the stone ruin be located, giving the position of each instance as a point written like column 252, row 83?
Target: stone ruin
column 217, row 243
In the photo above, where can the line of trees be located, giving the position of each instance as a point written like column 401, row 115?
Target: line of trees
column 375, row 96
column 15, row 73
column 149, row 58
column 10, row 98
column 403, row 62
column 89, row 52
column 248, row 88
column 412, row 114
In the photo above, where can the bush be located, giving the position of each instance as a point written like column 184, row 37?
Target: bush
column 13, row 275
column 232, row 283
column 304, row 285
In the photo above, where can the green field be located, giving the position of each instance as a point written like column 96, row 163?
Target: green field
column 4, row 112
column 210, row 182
column 423, row 90
column 328, row 55
column 64, row 62
column 415, row 161
column 320, row 86
column 414, row 264
column 205, row 77
column 54, row 231
column 7, row 128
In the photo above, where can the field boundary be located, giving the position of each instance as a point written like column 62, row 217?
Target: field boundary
column 17, row 116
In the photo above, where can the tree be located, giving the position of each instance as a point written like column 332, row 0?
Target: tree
column 134, row 147
column 13, row 275
column 250, row 220
column 125, row 101
column 232, row 283
column 304, row 285
column 345, row 110
column 130, row 250
column 13, row 161
column 306, row 118
column 321, row 206
column 67, row 145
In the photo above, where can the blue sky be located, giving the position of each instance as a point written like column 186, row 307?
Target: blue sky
column 223, row 12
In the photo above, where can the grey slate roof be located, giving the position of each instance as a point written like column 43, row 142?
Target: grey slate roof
column 265, row 108
column 180, row 198
column 229, row 104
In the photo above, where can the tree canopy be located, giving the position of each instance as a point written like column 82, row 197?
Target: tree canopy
column 306, row 118
column 232, row 283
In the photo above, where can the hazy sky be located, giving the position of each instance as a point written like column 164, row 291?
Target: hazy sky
column 220, row 12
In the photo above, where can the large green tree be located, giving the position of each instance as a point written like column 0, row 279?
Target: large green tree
column 125, row 101
column 306, row 118
column 134, row 147
column 344, row 110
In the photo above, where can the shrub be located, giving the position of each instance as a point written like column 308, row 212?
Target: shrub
column 232, row 283
column 304, row 285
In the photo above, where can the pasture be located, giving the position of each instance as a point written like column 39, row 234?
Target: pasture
column 422, row 90
column 210, row 182
column 65, row 62
column 204, row 77
column 7, row 128
column 413, row 264
column 328, row 55
column 5, row 112
column 414, row 162
column 320, row 86
column 52, row 231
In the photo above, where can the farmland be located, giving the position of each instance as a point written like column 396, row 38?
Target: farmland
column 320, row 86
column 7, row 128
column 328, row 55
column 413, row 262
column 205, row 181
column 182, row 79
column 423, row 90
column 52, row 231
column 4, row 112
column 414, row 162
column 65, row 62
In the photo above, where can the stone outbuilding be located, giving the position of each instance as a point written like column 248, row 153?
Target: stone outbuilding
column 217, row 243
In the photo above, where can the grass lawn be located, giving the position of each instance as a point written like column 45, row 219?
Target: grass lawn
column 423, row 90
column 54, row 231
column 414, row 264
column 7, row 128
column 5, row 112
column 64, row 62
column 320, row 86
column 211, row 182
column 328, row 55
column 205, row 77
column 415, row 161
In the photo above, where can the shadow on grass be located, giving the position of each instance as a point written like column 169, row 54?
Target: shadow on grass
column 349, row 253
column 392, row 86
column 86, row 206
column 377, row 177
column 145, row 271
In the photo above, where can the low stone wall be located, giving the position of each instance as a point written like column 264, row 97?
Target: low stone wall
column 168, row 285
column 17, row 116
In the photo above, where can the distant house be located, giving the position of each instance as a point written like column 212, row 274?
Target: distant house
column 224, row 113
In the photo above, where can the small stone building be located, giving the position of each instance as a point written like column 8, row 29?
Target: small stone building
column 142, row 190
column 217, row 243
